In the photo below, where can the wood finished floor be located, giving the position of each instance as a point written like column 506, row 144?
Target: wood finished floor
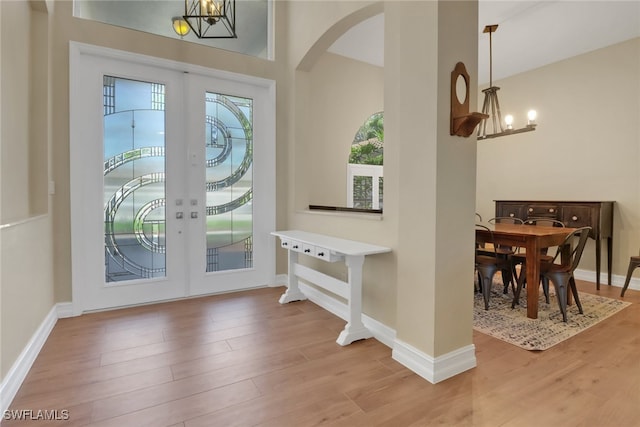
column 244, row 360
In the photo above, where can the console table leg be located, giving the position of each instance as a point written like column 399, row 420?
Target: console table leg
column 609, row 257
column 355, row 329
column 598, row 256
column 293, row 292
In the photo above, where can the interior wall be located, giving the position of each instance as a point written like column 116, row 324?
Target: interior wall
column 326, row 24
column 15, row 27
column 39, row 106
column 435, row 172
column 586, row 145
column 26, row 285
column 343, row 94
column 315, row 26
column 26, row 270
column 429, row 177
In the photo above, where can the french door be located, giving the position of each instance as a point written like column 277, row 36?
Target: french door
column 172, row 180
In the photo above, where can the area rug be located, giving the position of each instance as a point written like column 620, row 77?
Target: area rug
column 514, row 327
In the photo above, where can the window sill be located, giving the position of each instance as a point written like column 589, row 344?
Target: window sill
column 337, row 211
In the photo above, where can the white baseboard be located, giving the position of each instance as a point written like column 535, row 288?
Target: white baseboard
column 431, row 369
column 616, row 279
column 435, row 369
column 64, row 310
column 280, row 280
column 20, row 368
column 380, row 331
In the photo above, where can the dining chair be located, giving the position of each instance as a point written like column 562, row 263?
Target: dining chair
column 488, row 262
column 478, row 217
column 634, row 262
column 520, row 258
column 505, row 220
column 509, row 274
column 547, row 222
column 561, row 274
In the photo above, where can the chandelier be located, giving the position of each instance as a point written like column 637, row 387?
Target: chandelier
column 491, row 105
column 211, row 19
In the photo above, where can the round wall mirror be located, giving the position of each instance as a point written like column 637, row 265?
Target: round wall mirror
column 461, row 89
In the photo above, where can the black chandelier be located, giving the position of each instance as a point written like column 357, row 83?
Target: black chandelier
column 211, row 19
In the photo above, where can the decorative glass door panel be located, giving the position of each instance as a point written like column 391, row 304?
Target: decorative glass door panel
column 134, row 179
column 165, row 199
column 229, row 182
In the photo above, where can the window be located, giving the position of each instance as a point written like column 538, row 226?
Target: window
column 364, row 170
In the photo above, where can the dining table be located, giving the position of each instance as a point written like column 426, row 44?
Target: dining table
column 532, row 238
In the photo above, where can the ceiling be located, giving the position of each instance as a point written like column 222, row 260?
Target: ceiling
column 531, row 34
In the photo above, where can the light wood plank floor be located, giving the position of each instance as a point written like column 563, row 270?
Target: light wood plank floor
column 243, row 359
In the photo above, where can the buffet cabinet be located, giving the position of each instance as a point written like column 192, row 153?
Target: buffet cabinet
column 597, row 215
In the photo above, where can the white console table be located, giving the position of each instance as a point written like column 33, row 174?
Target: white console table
column 330, row 249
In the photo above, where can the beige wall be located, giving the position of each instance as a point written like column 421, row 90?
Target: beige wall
column 40, row 106
column 342, row 94
column 26, row 285
column 26, row 270
column 15, row 26
column 435, row 171
column 429, row 176
column 586, row 145
column 322, row 75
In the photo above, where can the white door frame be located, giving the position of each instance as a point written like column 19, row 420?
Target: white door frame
column 85, row 234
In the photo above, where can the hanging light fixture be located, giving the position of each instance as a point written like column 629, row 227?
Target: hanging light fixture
column 211, row 19
column 491, row 106
column 180, row 26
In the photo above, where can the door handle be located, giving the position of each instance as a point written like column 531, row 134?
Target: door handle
column 194, row 215
column 179, row 215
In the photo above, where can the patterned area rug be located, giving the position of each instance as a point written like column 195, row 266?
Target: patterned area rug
column 514, row 327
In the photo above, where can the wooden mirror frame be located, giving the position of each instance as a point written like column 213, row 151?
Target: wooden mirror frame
column 463, row 123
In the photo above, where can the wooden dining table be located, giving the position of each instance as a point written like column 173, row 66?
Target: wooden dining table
column 532, row 238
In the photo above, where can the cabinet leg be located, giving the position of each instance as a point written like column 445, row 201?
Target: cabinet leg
column 598, row 256
column 609, row 258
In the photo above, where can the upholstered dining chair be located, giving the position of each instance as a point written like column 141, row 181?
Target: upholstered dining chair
column 519, row 258
column 561, row 275
column 634, row 262
column 488, row 262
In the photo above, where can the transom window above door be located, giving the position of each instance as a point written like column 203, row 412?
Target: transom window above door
column 253, row 23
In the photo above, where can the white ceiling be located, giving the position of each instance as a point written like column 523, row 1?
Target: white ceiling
column 531, row 34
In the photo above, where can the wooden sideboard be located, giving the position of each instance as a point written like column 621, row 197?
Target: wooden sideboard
column 597, row 215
